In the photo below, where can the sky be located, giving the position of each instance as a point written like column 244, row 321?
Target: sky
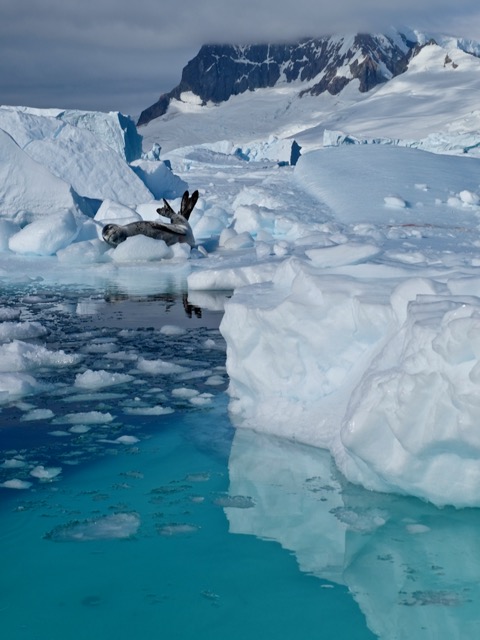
column 121, row 55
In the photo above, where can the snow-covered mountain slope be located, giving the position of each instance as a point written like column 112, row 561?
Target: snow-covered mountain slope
column 322, row 64
column 438, row 92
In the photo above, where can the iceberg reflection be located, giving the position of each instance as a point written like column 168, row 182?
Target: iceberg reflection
column 413, row 569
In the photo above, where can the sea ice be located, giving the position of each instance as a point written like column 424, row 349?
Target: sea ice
column 159, row 367
column 100, row 379
column 45, row 474
column 46, row 236
column 15, row 483
column 37, row 414
column 85, row 417
column 116, row 526
column 157, row 410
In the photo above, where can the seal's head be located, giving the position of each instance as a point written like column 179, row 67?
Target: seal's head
column 114, row 234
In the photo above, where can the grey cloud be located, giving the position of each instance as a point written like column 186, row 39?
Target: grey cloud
column 118, row 54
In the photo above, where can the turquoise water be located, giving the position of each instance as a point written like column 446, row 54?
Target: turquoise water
column 174, row 525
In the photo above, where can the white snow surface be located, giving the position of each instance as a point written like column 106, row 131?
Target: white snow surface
column 354, row 322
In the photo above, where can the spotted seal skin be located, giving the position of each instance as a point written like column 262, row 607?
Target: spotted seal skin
column 178, row 230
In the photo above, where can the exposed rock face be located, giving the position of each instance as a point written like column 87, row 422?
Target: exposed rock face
column 221, row 71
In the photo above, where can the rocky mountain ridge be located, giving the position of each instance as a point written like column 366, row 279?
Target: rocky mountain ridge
column 323, row 64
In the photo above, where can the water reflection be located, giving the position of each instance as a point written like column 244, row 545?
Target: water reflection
column 413, row 569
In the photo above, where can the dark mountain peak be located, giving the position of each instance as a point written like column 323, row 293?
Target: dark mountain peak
column 329, row 63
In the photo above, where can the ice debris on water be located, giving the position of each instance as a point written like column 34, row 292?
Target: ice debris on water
column 117, row 526
column 235, row 502
column 37, row 414
column 16, row 483
column 127, row 440
column 45, row 474
column 99, row 379
column 85, row 417
column 172, row 330
column 175, row 529
column 13, row 463
column 156, row 410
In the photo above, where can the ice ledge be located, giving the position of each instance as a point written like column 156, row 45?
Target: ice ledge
column 382, row 372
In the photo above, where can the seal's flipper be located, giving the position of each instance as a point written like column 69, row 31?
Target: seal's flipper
column 188, row 203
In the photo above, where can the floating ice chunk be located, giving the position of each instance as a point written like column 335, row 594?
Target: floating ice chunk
column 85, row 417
column 185, row 393
column 38, row 414
column 342, row 254
column 202, row 399
column 100, row 379
column 22, row 356
column 198, row 477
column 234, row 502
column 263, row 249
column 9, row 314
column 226, row 235
column 17, row 385
column 141, row 249
column 21, row 331
column 469, row 197
column 15, row 483
column 417, row 528
column 240, row 241
column 454, row 201
column 127, row 440
column 172, row 330
column 100, row 347
column 159, row 367
column 45, row 473
column 208, row 226
column 85, row 252
column 116, row 213
column 13, row 463
column 117, row 526
column 281, row 249
column 215, row 380
column 157, row 410
column 45, row 236
column 79, row 429
column 176, row 529
column 180, row 251
column 395, row 202
column 252, row 218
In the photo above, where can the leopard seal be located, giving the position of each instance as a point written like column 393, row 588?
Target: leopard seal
column 178, row 230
